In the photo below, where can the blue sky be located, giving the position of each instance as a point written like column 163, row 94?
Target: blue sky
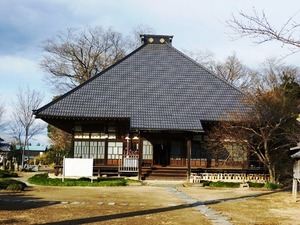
column 195, row 24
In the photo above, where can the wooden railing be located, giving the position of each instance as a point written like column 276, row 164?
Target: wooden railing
column 129, row 163
column 229, row 177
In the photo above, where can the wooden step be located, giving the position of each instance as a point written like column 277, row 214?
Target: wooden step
column 165, row 173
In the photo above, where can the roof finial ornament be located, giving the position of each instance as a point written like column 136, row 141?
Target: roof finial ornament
column 156, row 39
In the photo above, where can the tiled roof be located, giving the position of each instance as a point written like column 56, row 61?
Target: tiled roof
column 156, row 87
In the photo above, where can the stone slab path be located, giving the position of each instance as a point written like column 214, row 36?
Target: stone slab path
column 215, row 217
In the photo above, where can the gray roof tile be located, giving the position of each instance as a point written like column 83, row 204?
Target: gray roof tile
column 157, row 87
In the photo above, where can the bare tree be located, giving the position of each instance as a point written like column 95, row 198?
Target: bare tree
column 234, row 72
column 272, row 74
column 134, row 40
column 74, row 56
column 269, row 128
column 260, row 30
column 2, row 112
column 203, row 57
column 23, row 124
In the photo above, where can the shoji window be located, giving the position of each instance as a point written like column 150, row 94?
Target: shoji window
column 147, row 150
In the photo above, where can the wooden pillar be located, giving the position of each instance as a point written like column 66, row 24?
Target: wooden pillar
column 73, row 145
column 189, row 152
column 140, row 157
column 106, row 151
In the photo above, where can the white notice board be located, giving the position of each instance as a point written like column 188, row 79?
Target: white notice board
column 78, row 167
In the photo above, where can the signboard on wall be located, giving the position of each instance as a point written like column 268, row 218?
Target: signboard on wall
column 77, row 167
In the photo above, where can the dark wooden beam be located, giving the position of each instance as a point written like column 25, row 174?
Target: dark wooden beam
column 189, row 152
column 140, row 144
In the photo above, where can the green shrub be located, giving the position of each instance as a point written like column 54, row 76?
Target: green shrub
column 84, row 179
column 15, row 187
column 43, row 179
column 5, row 174
column 256, row 185
column 221, row 184
column 272, row 186
column 205, row 183
column 39, row 179
column 5, row 183
column 224, row 184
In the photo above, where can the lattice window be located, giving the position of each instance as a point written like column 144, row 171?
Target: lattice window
column 115, row 150
column 89, row 149
column 97, row 149
column 147, row 150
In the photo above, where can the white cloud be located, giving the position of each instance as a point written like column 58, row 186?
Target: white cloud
column 17, row 71
column 16, row 65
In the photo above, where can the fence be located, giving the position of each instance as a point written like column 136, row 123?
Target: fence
column 229, row 177
column 129, row 163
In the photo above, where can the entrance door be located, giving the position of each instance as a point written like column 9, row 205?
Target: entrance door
column 161, row 154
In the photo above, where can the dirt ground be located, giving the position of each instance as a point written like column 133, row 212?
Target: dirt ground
column 96, row 205
column 143, row 205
